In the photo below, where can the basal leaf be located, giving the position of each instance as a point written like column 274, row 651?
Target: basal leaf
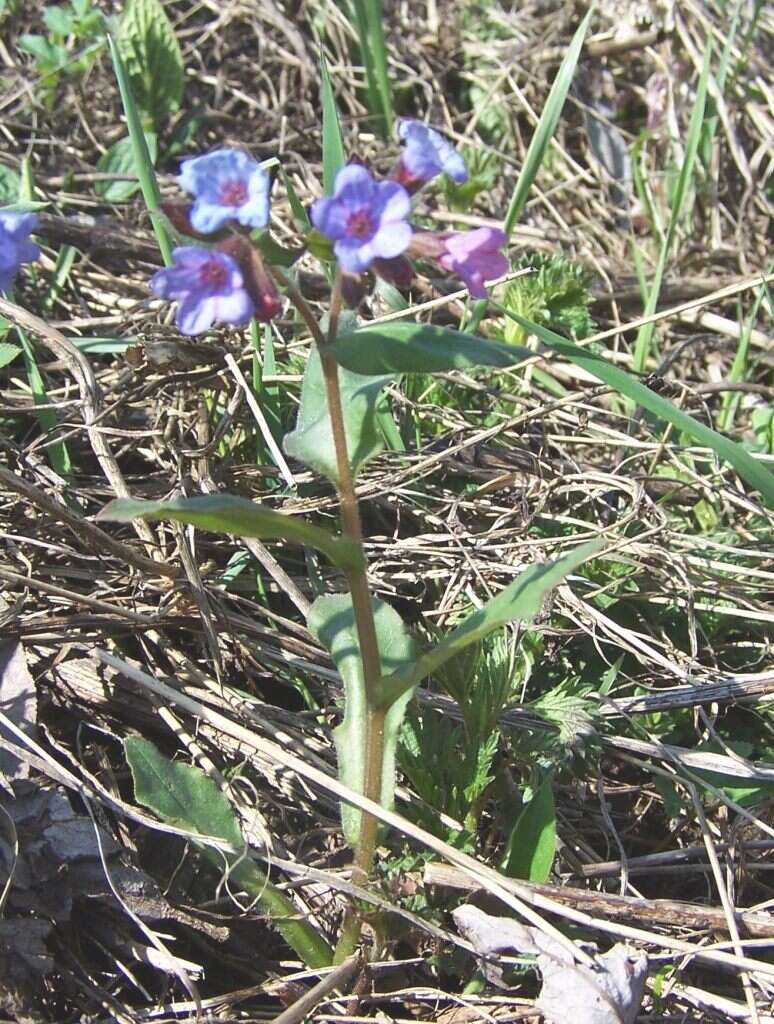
column 149, row 48
column 119, row 159
column 225, row 513
column 183, row 796
column 419, row 348
column 532, row 843
column 332, row 621
column 312, row 440
column 521, row 600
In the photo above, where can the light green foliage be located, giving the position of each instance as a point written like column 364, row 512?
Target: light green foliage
column 119, row 159
column 312, row 440
column 183, row 796
column 331, row 619
column 75, row 35
column 556, row 295
column 368, row 20
column 333, row 154
column 224, row 513
column 8, row 353
column 483, row 172
column 151, row 54
column 10, row 184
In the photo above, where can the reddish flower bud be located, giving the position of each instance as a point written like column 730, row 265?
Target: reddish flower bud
column 258, row 281
column 397, row 271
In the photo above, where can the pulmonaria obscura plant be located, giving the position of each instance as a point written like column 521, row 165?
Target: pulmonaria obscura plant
column 228, row 273
column 16, row 246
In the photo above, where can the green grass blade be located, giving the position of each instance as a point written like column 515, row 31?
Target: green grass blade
column 738, row 369
column 546, row 126
column 56, row 452
column 332, row 142
column 142, row 159
column 753, row 472
column 373, row 51
column 645, row 333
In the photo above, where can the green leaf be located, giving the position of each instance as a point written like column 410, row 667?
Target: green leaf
column 746, row 466
column 419, row 348
column 312, row 440
column 521, row 600
column 331, row 619
column 546, row 127
column 297, row 208
column 183, row 796
column 119, row 159
column 149, row 48
column 373, row 51
column 8, row 353
column 332, row 142
column 58, row 21
column 143, row 164
column 225, row 513
column 9, row 185
column 532, row 843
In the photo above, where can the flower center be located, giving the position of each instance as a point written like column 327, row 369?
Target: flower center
column 212, row 274
column 360, row 224
column 233, row 193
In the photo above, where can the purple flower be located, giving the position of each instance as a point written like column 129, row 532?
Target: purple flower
column 15, row 245
column 227, row 185
column 426, row 154
column 365, row 219
column 476, row 257
column 207, row 285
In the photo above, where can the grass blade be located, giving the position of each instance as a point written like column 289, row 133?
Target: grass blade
column 332, row 142
column 645, row 333
column 546, row 126
column 373, row 52
column 746, row 466
column 142, row 159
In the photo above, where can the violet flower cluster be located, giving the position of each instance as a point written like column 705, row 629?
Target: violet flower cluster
column 15, row 245
column 366, row 220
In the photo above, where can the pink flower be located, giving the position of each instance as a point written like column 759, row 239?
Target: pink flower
column 475, row 256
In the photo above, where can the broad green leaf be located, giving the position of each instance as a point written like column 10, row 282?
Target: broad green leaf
column 58, row 21
column 312, row 440
column 532, row 843
column 521, row 600
column 225, row 513
column 183, row 796
column 331, row 619
column 332, row 143
column 420, row 348
column 148, row 46
column 8, row 353
column 119, row 159
column 143, row 164
column 754, row 472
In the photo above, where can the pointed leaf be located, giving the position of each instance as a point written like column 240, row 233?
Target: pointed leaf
column 312, row 440
column 521, row 600
column 754, row 472
column 183, row 796
column 420, row 348
column 332, row 142
column 532, row 843
column 225, row 513
column 332, row 620
column 119, row 159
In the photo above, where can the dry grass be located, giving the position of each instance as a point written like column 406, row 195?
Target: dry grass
column 507, row 471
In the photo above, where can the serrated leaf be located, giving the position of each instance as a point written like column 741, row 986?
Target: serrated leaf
column 312, row 440
column 419, row 348
column 225, row 513
column 149, row 49
column 183, row 796
column 8, row 353
column 119, row 159
column 532, row 843
column 520, row 601
column 331, row 619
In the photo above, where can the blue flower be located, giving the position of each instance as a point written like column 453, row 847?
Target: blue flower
column 207, row 285
column 227, row 185
column 365, row 219
column 15, row 245
column 426, row 154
